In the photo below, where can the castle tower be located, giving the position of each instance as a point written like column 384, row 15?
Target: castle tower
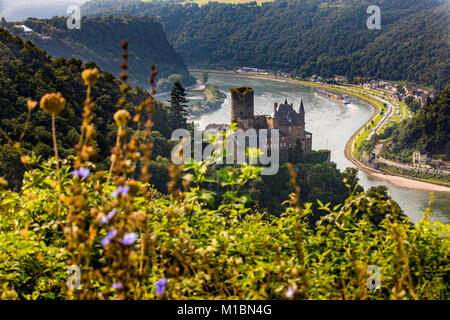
column 242, row 107
column 301, row 111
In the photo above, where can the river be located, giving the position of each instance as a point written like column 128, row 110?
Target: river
column 332, row 124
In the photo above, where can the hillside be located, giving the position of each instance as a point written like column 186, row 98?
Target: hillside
column 307, row 37
column 27, row 72
column 429, row 130
column 99, row 39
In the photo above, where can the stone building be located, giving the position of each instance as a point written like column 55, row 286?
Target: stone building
column 289, row 122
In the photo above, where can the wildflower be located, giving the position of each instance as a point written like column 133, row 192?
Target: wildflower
column 160, row 286
column 3, row 183
column 31, row 105
column 122, row 117
column 117, row 285
column 108, row 217
column 90, row 76
column 122, row 190
column 24, row 159
column 290, row 293
column 81, row 173
column 107, row 239
column 129, row 239
column 53, row 103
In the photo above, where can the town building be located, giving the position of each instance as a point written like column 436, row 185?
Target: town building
column 420, row 157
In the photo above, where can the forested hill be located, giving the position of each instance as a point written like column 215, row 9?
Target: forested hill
column 429, row 130
column 27, row 72
column 307, row 37
column 99, row 40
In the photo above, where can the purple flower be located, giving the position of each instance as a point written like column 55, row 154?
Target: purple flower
column 106, row 240
column 290, row 293
column 108, row 217
column 129, row 239
column 81, row 173
column 117, row 285
column 122, row 190
column 125, row 190
column 160, row 286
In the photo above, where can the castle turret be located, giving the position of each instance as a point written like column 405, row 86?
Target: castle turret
column 242, row 107
column 301, row 111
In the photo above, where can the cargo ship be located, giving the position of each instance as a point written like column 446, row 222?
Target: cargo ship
column 343, row 99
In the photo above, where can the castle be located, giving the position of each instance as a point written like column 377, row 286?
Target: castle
column 290, row 123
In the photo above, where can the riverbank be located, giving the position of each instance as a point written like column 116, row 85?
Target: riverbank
column 396, row 180
column 213, row 100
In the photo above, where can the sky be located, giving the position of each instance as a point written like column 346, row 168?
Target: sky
column 16, row 10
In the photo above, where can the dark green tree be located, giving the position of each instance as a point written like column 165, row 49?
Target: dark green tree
column 415, row 106
column 205, row 78
column 296, row 153
column 178, row 107
column 409, row 99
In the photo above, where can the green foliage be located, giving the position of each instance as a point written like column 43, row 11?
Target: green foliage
column 368, row 145
column 125, row 236
column 32, row 268
column 413, row 104
column 234, row 252
column 429, row 129
column 214, row 100
column 26, row 72
column 166, row 85
column 287, row 35
column 178, row 108
column 205, row 78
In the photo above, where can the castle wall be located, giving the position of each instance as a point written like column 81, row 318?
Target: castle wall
column 242, row 107
column 242, row 113
column 308, row 143
column 261, row 122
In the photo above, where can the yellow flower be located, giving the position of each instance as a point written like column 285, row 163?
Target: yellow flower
column 3, row 183
column 90, row 76
column 122, row 117
column 53, row 103
column 31, row 105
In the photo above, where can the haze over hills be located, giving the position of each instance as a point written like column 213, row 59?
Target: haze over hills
column 17, row 10
column 99, row 40
column 307, row 37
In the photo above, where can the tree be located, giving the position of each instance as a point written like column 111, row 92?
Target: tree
column 296, row 154
column 205, row 78
column 415, row 105
column 409, row 99
column 178, row 108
